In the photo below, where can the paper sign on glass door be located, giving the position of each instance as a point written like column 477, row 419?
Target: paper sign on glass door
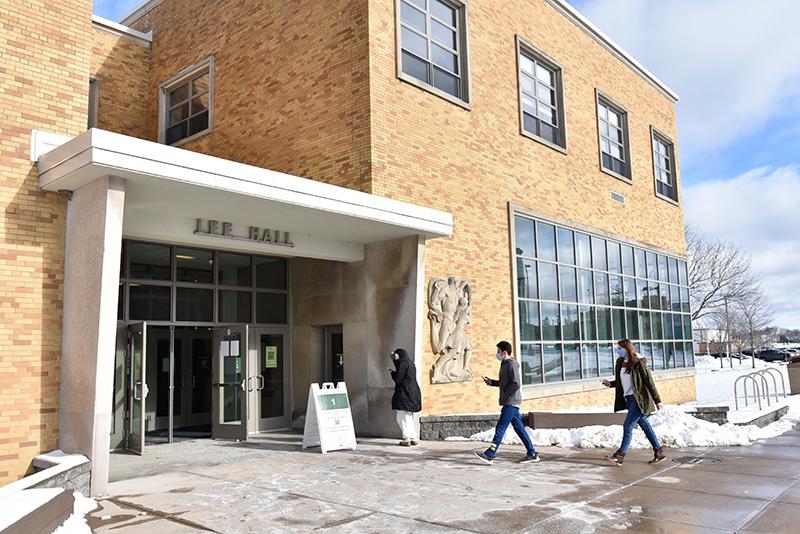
column 270, row 357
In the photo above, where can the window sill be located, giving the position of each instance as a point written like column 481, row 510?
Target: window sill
column 544, row 142
column 621, row 177
column 434, row 91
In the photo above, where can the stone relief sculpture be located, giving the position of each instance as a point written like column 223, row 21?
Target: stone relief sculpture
column 450, row 311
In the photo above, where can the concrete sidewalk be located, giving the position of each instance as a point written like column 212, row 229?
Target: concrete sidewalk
column 271, row 485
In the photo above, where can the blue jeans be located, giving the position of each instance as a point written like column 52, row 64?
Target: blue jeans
column 510, row 414
column 635, row 416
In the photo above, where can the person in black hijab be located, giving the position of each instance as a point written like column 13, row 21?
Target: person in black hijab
column 407, row 398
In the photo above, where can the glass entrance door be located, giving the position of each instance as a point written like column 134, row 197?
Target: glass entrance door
column 137, row 386
column 229, row 385
column 269, row 391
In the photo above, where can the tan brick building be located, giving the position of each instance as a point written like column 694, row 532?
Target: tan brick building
column 271, row 190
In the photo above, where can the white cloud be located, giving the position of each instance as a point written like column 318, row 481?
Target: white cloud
column 734, row 63
column 761, row 211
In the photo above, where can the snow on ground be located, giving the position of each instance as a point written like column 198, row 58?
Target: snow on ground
column 673, row 426
column 76, row 523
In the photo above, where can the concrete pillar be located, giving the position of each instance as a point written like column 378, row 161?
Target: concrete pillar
column 91, row 289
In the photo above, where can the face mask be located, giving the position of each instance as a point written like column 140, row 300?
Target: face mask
column 499, row 356
column 622, row 353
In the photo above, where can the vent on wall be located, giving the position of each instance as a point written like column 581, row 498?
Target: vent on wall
column 617, row 197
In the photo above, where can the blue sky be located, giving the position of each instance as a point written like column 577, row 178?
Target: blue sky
column 736, row 66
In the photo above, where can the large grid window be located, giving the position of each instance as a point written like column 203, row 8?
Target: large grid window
column 190, row 285
column 664, row 165
column 579, row 293
column 186, row 104
column 432, row 43
column 612, row 125
column 541, row 96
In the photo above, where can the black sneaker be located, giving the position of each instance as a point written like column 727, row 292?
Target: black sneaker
column 484, row 457
column 530, row 459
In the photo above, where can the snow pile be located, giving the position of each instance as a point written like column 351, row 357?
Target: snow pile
column 76, row 523
column 673, row 426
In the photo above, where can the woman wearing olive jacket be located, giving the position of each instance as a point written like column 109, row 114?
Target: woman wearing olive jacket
column 636, row 391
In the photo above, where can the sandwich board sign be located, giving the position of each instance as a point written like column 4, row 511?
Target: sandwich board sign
column 329, row 422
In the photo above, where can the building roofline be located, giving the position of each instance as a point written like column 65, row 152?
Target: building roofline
column 123, row 32
column 603, row 40
column 559, row 5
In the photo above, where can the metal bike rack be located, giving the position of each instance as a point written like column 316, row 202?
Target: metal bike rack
column 769, row 371
column 756, row 392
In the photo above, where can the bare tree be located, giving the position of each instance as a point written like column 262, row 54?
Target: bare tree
column 719, row 273
column 755, row 315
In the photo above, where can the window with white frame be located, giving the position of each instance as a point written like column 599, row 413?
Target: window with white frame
column 664, row 165
column 541, row 96
column 612, row 123
column 432, row 47
column 186, row 104
column 579, row 292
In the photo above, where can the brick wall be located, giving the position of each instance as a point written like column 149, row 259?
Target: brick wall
column 471, row 163
column 121, row 67
column 44, row 81
column 290, row 79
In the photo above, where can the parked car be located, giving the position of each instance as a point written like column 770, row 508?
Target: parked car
column 733, row 355
column 773, row 355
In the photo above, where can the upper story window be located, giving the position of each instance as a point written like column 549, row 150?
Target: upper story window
column 541, row 96
column 186, row 104
column 432, row 47
column 664, row 165
column 612, row 123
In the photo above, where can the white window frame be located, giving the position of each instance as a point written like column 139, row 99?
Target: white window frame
column 608, row 102
column 163, row 105
column 525, row 48
column 656, row 135
column 462, row 41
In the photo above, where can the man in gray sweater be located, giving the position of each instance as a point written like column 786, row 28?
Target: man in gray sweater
column 510, row 400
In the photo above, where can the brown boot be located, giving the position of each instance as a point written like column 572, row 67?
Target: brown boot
column 659, row 455
column 616, row 458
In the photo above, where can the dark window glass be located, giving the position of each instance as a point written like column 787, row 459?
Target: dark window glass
column 585, row 287
column 525, row 236
column 629, row 285
column 685, row 306
column 618, row 323
column 657, row 325
column 149, row 303
column 529, row 323
column 652, row 267
column 604, row 323
column 271, row 308
column 641, row 264
column 589, row 354
column 150, row 261
column 601, row 289
column 572, row 361
column 599, row 253
column 683, row 279
column 627, row 260
column 121, row 303
column 646, row 350
column 615, row 288
column 270, row 273
column 687, row 327
column 569, row 291
column 658, row 356
column 531, row 364
column 583, row 249
column 235, row 306
column 607, row 357
column 413, row 66
column 234, row 269
column 677, row 326
column 194, row 265
column 663, row 296
column 551, row 325
column 547, row 241
column 553, row 366
column 526, row 279
column 193, row 304
column 673, row 271
column 675, row 298
column 643, row 291
column 667, row 318
column 570, row 323
column 566, row 247
column 679, row 358
column 614, row 262
column 588, row 325
column 646, row 330
column 632, row 324
column 662, row 268
column 548, row 281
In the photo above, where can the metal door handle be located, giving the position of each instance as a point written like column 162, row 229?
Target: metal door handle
column 260, row 382
column 193, row 381
column 249, row 383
